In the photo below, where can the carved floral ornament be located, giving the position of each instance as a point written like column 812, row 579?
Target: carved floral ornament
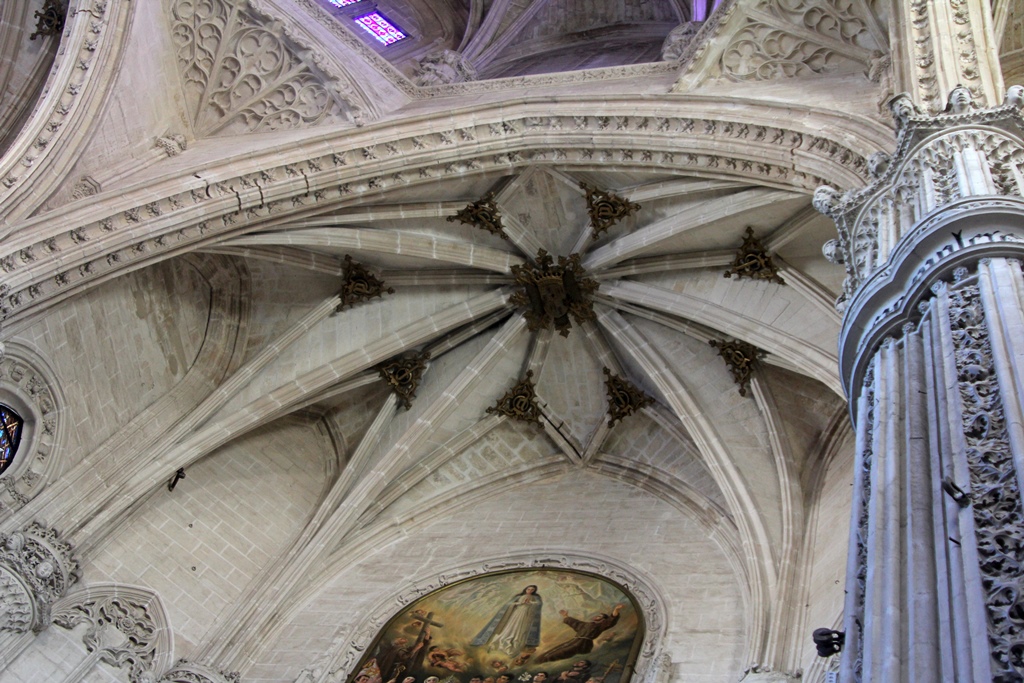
column 359, row 285
column 963, row 151
column 519, row 402
column 624, row 398
column 403, row 375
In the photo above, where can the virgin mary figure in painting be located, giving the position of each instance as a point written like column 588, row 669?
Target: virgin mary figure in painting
column 515, row 626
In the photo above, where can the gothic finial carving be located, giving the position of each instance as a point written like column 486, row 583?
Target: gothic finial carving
column 519, row 402
column 36, row 568
column 185, row 671
column 753, row 261
column 484, row 214
column 85, row 187
column 741, row 358
column 444, row 67
column 359, row 285
column 403, row 375
column 624, row 398
column 49, row 20
column 551, row 293
column 606, row 209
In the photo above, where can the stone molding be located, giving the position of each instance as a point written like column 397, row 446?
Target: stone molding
column 36, row 569
column 650, row 601
column 96, row 248
column 28, row 385
column 48, row 144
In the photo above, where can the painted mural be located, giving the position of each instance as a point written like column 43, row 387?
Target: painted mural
column 530, row 626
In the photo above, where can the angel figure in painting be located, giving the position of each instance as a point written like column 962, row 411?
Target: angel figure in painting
column 516, row 626
column 586, row 632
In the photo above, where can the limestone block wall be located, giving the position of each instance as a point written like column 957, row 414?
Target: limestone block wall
column 200, row 545
column 121, row 348
column 578, row 512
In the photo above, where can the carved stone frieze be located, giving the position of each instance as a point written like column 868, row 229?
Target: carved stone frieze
column 134, row 649
column 444, row 67
column 994, row 497
column 606, row 209
column 403, row 375
column 36, row 568
column 243, row 74
column 624, row 398
column 519, row 402
column 484, row 214
column 318, row 177
column 551, row 293
column 962, row 152
column 858, row 582
column 171, row 144
column 359, row 285
column 753, row 261
column 741, row 358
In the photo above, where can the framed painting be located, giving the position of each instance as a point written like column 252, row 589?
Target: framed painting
column 523, row 626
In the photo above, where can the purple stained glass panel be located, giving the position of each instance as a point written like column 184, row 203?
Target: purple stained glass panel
column 343, row 3
column 10, row 435
column 377, row 25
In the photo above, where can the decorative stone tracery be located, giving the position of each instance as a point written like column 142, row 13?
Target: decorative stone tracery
column 519, row 402
column 36, row 568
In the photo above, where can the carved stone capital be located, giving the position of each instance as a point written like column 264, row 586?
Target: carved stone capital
column 36, row 568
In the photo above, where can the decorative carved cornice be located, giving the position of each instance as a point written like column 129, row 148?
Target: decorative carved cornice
column 519, row 402
column 741, row 358
column 444, row 67
column 111, row 242
column 753, row 261
column 484, row 214
column 403, row 375
column 606, row 209
column 624, row 398
column 36, row 568
column 552, row 293
column 359, row 285
column 940, row 159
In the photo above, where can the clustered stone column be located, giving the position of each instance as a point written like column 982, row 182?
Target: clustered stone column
column 932, row 358
column 36, row 568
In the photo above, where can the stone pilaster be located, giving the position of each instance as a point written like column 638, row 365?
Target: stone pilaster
column 932, row 358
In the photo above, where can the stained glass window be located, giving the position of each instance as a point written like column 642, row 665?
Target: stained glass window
column 343, row 3
column 10, row 436
column 377, row 25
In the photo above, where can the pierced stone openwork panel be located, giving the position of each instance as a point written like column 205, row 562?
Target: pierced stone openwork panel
column 606, row 209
